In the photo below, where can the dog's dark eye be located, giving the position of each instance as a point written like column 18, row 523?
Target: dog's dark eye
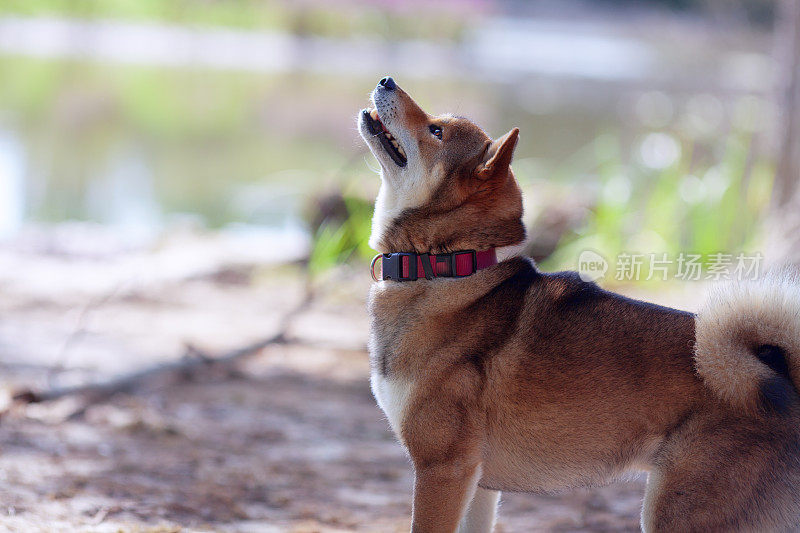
column 436, row 131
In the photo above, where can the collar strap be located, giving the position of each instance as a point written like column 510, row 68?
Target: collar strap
column 411, row 267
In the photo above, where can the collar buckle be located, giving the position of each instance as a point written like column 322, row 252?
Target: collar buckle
column 392, row 266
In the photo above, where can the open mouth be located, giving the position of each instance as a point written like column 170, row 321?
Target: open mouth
column 389, row 143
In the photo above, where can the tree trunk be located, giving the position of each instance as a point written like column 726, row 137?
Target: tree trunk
column 782, row 242
column 788, row 96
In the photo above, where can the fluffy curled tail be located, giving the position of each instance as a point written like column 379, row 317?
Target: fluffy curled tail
column 747, row 347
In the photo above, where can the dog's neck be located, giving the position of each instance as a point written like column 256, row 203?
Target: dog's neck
column 417, row 233
column 424, row 230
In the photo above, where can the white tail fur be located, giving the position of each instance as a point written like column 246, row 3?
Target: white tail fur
column 737, row 320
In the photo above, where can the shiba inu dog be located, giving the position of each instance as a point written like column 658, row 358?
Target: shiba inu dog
column 496, row 376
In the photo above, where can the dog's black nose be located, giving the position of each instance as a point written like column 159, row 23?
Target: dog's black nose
column 388, row 83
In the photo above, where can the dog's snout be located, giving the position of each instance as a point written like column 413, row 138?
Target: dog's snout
column 388, row 83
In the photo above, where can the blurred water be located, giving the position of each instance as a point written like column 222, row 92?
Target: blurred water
column 562, row 82
column 12, row 183
column 513, row 46
column 124, row 196
column 509, row 46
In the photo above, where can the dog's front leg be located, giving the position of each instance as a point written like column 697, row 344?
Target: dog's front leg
column 482, row 512
column 442, row 493
column 443, row 430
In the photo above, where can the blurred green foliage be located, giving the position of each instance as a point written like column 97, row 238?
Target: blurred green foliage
column 695, row 204
column 339, row 241
column 408, row 20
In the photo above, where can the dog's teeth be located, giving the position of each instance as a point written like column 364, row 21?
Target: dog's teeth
column 389, row 136
column 401, row 151
column 374, row 114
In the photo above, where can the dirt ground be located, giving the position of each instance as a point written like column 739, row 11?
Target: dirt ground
column 276, row 450
column 289, row 441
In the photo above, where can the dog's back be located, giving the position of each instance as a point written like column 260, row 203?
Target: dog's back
column 589, row 381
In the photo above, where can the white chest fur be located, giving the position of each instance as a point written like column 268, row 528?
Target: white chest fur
column 392, row 396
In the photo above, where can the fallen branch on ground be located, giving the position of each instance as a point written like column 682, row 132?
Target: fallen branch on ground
column 193, row 361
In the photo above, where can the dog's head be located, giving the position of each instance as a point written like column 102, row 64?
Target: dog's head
column 445, row 184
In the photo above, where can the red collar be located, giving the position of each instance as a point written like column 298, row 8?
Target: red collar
column 411, row 267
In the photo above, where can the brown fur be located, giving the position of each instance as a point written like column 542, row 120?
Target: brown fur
column 513, row 379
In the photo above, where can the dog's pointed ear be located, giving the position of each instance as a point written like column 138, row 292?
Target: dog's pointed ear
column 498, row 156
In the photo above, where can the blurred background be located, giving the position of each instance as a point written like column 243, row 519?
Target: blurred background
column 185, row 206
